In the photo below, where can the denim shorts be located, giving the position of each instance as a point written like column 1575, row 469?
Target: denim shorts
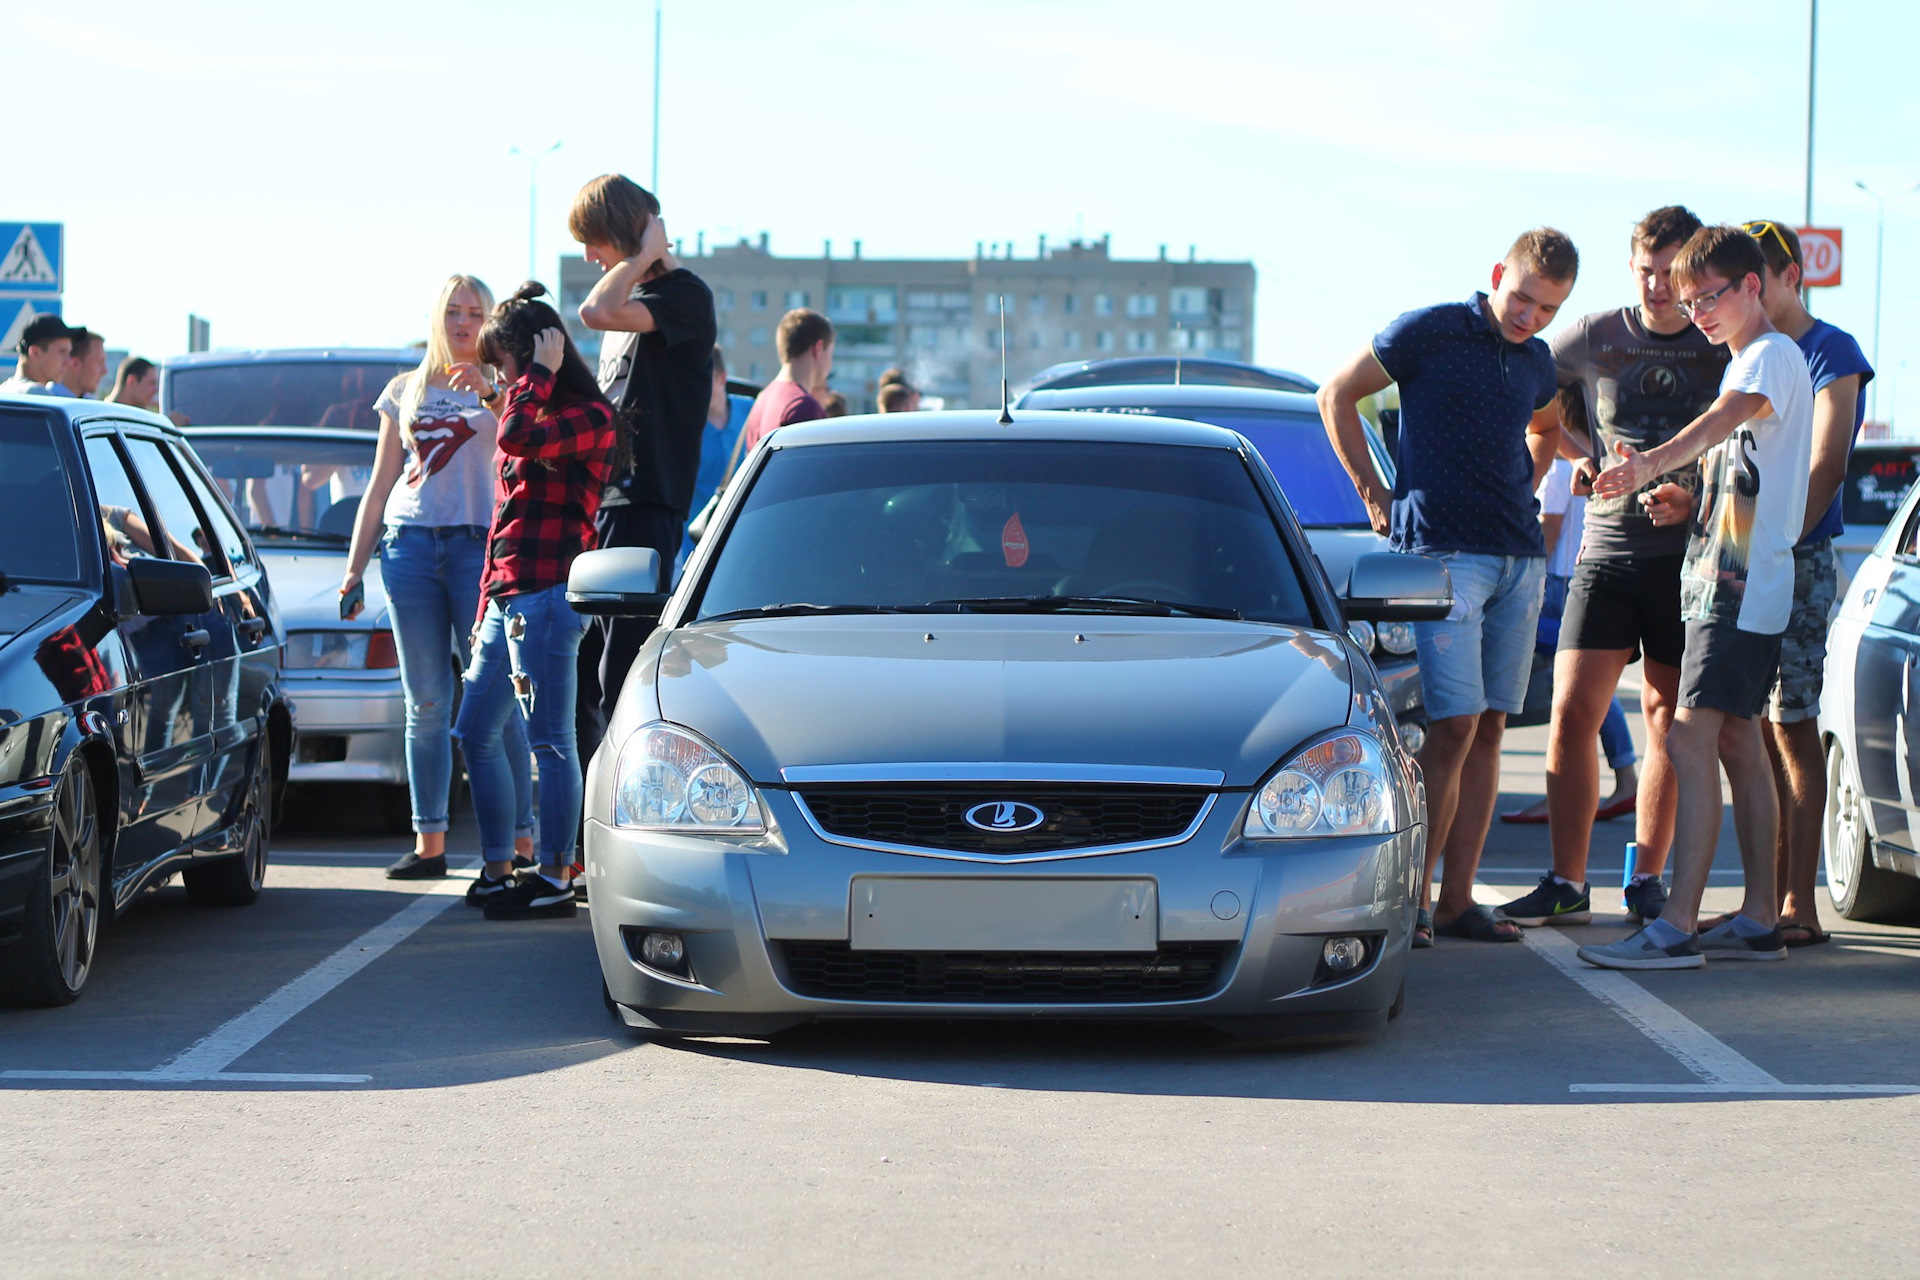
column 1480, row 657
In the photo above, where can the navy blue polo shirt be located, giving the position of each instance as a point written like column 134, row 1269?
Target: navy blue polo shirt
column 1464, row 480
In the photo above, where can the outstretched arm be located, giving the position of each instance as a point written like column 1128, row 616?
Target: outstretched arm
column 1633, row 470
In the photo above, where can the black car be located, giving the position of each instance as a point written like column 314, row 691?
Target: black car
column 1199, row 372
column 143, row 731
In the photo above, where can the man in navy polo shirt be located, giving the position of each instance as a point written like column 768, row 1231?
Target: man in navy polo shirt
column 1471, row 376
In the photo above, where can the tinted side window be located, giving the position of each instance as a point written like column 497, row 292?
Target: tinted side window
column 225, row 532
column 187, row 535
column 37, row 521
column 126, row 521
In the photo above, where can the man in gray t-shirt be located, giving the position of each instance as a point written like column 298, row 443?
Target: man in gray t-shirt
column 1634, row 376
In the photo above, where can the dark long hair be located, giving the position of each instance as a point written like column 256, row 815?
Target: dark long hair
column 511, row 329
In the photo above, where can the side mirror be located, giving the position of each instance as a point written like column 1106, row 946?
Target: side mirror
column 170, row 586
column 1386, row 586
column 619, row 582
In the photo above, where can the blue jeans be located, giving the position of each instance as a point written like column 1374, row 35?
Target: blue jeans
column 1479, row 659
column 432, row 580
column 525, row 665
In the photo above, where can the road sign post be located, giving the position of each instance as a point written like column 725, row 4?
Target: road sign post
column 32, row 272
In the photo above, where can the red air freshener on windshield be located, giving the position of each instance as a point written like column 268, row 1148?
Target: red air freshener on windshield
column 1013, row 541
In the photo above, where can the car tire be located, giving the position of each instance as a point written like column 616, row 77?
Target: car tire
column 1860, row 890
column 48, row 964
column 237, row 881
column 396, row 810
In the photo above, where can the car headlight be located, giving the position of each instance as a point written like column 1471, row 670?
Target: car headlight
column 670, row 780
column 1336, row 787
column 1362, row 633
column 1395, row 637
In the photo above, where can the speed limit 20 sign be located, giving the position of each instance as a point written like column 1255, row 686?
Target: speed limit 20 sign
column 1820, row 248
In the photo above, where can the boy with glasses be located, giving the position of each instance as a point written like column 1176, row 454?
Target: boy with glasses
column 1736, row 598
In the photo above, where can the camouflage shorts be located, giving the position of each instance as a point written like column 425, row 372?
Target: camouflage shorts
column 1803, row 649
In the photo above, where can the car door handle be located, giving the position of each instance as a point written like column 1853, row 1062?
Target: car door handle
column 197, row 639
column 253, row 628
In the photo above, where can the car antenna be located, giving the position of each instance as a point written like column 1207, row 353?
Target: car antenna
column 1179, row 331
column 1006, row 419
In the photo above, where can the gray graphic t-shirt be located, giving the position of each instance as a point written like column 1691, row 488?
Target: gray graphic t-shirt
column 1641, row 387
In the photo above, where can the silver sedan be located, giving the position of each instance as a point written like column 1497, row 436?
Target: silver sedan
column 949, row 718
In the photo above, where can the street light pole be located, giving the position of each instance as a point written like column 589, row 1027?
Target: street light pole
column 1879, row 275
column 533, row 203
column 653, row 183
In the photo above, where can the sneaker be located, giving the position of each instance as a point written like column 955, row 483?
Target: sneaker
column 1642, row 952
column 1645, row 900
column 1723, row 943
column 524, row 862
column 532, row 897
column 1550, row 903
column 415, row 867
column 484, row 890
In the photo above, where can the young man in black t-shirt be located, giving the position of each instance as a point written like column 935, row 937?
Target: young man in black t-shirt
column 656, row 366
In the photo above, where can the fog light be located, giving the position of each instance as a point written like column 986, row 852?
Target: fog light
column 1414, row 736
column 1343, row 955
column 663, row 951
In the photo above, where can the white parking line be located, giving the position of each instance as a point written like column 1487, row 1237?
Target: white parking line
column 1720, row 1068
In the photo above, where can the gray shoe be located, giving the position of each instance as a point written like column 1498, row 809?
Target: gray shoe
column 1722, row 943
column 1642, row 952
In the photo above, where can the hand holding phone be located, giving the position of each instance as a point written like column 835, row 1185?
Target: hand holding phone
column 352, row 600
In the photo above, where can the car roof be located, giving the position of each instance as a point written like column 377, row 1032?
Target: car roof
column 281, row 433
column 985, row 424
column 1164, row 395
column 1137, row 369
column 295, row 355
column 80, row 412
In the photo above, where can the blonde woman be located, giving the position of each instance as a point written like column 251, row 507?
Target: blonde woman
column 426, row 511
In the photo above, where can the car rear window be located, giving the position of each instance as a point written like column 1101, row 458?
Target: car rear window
column 273, row 393
column 39, row 534
column 1877, row 481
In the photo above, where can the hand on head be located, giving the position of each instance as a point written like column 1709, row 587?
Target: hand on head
column 549, row 348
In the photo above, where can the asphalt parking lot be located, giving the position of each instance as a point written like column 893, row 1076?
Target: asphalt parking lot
column 361, row 1077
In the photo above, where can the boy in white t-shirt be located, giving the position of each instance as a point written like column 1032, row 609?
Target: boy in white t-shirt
column 1736, row 593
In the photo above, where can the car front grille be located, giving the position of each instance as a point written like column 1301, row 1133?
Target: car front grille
column 1074, row 816
column 835, row 971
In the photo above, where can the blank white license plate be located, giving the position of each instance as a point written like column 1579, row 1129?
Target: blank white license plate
column 981, row 913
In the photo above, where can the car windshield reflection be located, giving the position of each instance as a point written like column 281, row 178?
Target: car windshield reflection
column 291, row 487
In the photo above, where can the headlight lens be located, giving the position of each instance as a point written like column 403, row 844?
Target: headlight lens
column 1394, row 637
column 670, row 780
column 1362, row 633
column 1336, row 787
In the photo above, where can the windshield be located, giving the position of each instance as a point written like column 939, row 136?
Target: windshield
column 39, row 541
column 1877, row 482
column 998, row 525
column 266, row 393
column 290, row 486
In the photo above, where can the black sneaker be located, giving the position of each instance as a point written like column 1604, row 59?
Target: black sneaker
column 1550, row 903
column 484, row 890
column 1646, row 900
column 532, row 897
column 524, row 862
column 415, row 867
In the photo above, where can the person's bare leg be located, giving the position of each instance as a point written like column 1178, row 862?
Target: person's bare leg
column 1583, row 685
column 1654, row 819
column 1441, row 758
column 1693, row 747
column 1626, row 782
column 1756, row 815
column 1466, row 836
column 1800, row 782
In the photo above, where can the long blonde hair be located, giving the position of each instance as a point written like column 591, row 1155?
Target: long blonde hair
column 439, row 350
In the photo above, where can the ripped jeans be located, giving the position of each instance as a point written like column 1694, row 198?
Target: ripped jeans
column 529, row 645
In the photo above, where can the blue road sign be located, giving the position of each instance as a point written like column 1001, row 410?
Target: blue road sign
column 15, row 312
column 30, row 257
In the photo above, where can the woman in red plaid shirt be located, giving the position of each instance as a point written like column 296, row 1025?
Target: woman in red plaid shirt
column 556, row 451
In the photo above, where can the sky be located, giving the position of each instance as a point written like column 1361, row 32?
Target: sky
column 308, row 175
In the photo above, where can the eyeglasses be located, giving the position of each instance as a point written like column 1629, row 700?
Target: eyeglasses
column 1758, row 230
column 1706, row 302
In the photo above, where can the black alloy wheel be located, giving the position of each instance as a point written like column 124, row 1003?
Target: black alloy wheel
column 237, row 881
column 49, row 963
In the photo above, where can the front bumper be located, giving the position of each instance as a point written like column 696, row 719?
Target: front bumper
column 1264, row 910
column 352, row 728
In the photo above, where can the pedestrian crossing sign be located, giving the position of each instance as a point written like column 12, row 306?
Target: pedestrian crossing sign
column 30, row 257
column 16, row 313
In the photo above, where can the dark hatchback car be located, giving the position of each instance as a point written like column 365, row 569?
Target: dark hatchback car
column 143, row 731
column 1180, row 371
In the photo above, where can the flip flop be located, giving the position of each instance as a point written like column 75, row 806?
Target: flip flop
column 1478, row 924
column 1802, row 935
column 1523, row 817
column 1422, row 929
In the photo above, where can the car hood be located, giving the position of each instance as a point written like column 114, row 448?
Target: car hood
column 1339, row 548
column 27, row 605
column 307, row 586
column 1171, row 692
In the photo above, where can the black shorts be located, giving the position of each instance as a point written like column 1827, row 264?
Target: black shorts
column 1727, row 669
column 1626, row 604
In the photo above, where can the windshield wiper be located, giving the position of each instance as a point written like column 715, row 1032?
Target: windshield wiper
column 281, row 531
column 816, row 610
column 1136, row 605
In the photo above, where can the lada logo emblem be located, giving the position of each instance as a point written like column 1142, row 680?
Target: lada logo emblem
column 1004, row 816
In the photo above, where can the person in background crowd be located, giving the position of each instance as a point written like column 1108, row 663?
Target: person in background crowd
column 1472, row 377
column 897, row 377
column 136, row 383
column 556, row 441
column 426, row 512
column 656, row 370
column 833, row 405
column 1562, row 518
column 88, row 367
column 726, row 419
column 45, row 349
column 1736, row 595
column 1635, row 374
column 805, row 343
column 897, row 397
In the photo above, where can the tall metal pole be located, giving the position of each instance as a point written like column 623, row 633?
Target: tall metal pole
column 653, row 183
column 1879, row 271
column 1813, row 41
column 533, row 202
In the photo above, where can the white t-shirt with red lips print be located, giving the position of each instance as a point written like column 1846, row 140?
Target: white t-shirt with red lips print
column 448, row 476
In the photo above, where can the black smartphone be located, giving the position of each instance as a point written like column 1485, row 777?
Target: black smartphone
column 351, row 601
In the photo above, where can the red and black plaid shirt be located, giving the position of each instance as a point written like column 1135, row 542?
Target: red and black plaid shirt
column 554, row 462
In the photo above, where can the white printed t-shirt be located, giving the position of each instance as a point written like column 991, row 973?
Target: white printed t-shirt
column 1753, row 496
column 448, row 475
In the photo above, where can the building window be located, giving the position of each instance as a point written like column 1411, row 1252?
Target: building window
column 954, row 301
column 796, row 298
column 1070, row 304
column 991, row 304
column 723, row 299
column 1070, row 340
column 861, row 306
column 1142, row 304
column 1102, row 304
column 757, row 338
column 1035, row 341
column 923, row 335
column 1139, row 340
column 1230, row 340
column 1037, row 305
column 758, row 300
column 1103, row 341
column 1187, row 302
column 753, row 371
column 923, row 301
column 726, row 337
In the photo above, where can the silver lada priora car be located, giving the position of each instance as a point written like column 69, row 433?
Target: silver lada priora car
column 958, row 717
